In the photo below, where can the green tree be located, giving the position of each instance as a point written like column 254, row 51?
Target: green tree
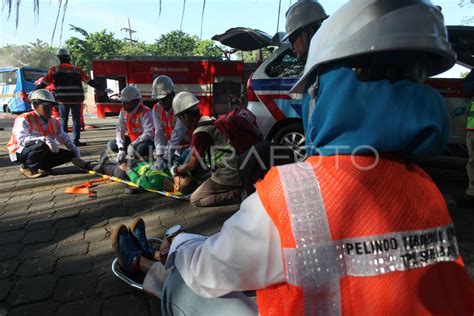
column 136, row 49
column 93, row 45
column 207, row 48
column 40, row 54
column 13, row 55
column 467, row 4
column 35, row 54
column 175, row 43
column 254, row 56
column 62, row 5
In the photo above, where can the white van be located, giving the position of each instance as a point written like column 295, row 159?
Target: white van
column 279, row 113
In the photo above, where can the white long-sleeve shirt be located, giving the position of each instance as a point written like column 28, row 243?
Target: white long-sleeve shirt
column 244, row 255
column 163, row 147
column 21, row 130
column 146, row 121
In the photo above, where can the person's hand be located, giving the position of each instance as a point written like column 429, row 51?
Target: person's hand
column 164, row 250
column 160, row 164
column 179, row 169
column 131, row 151
column 40, row 140
column 121, row 156
column 52, row 144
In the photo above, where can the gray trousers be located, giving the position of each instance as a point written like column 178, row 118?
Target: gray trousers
column 178, row 299
column 211, row 193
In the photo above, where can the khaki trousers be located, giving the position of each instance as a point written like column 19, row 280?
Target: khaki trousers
column 211, row 193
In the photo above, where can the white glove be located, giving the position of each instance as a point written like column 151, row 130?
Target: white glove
column 52, row 144
column 121, row 156
column 173, row 170
column 160, row 164
column 131, row 152
column 40, row 140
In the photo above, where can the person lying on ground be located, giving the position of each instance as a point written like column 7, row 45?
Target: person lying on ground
column 140, row 173
column 36, row 137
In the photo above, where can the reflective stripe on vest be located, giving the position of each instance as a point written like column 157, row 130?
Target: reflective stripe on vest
column 133, row 122
column 168, row 123
column 68, row 84
column 470, row 117
column 34, row 124
column 334, row 265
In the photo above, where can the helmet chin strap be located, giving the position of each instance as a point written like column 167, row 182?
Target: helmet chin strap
column 306, row 39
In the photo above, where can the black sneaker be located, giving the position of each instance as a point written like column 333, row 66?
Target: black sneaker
column 102, row 160
column 78, row 143
column 137, row 230
column 127, row 253
column 82, row 164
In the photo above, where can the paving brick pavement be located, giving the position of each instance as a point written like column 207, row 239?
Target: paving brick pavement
column 55, row 250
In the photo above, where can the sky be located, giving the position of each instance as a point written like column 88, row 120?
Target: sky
column 113, row 15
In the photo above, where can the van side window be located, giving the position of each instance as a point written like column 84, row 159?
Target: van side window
column 8, row 78
column 286, row 65
column 33, row 75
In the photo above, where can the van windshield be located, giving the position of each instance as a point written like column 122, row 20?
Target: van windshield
column 33, row 75
column 8, row 78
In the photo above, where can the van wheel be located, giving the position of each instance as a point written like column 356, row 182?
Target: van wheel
column 6, row 109
column 292, row 136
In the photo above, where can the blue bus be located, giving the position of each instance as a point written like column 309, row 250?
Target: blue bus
column 15, row 85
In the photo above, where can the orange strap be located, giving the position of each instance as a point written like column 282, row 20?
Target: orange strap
column 85, row 188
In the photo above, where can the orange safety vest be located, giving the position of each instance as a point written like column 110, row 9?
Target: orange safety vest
column 378, row 241
column 133, row 122
column 168, row 123
column 35, row 125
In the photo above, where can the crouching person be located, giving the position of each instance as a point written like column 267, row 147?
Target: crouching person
column 36, row 137
column 137, row 257
column 224, row 185
column 134, row 119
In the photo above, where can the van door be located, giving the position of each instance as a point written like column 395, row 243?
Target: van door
column 450, row 85
column 8, row 83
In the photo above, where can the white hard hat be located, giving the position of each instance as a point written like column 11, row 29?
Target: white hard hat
column 42, row 95
column 301, row 14
column 130, row 93
column 184, row 101
column 63, row 52
column 162, row 86
column 360, row 29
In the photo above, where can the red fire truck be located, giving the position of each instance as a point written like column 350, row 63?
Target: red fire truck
column 219, row 84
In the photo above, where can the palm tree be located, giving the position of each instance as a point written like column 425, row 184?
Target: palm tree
column 62, row 5
column 16, row 3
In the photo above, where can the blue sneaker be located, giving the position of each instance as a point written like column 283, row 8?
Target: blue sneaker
column 127, row 253
column 137, row 231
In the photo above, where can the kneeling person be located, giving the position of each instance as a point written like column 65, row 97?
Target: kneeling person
column 36, row 137
column 224, row 185
column 134, row 119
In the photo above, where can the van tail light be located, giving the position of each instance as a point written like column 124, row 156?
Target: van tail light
column 24, row 97
column 251, row 96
